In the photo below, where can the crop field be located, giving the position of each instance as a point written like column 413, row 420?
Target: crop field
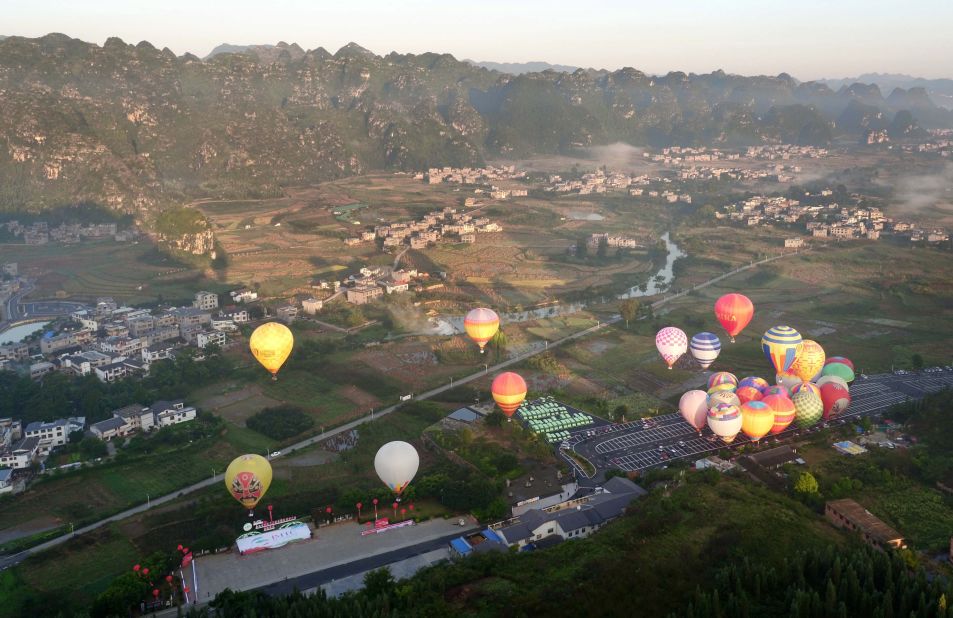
column 131, row 272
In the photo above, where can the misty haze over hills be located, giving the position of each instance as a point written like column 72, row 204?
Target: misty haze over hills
column 136, row 127
column 518, row 68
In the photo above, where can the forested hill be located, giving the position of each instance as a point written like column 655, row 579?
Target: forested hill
column 135, row 127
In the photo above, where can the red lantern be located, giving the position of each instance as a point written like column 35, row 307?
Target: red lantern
column 328, row 510
column 168, row 579
column 411, row 506
column 403, row 513
column 155, row 592
column 359, row 505
column 374, row 501
column 179, row 547
column 145, row 571
column 136, row 568
column 185, row 550
column 186, row 589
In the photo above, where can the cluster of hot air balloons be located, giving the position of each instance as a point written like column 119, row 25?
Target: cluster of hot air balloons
column 808, row 387
column 733, row 311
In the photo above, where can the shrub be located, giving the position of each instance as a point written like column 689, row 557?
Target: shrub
column 281, row 422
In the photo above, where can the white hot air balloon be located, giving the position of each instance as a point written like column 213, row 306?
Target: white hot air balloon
column 396, row 464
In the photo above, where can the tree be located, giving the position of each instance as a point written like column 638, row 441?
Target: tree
column 582, row 248
column 806, row 484
column 620, row 412
column 917, row 361
column 629, row 308
column 91, row 448
column 603, row 249
column 494, row 418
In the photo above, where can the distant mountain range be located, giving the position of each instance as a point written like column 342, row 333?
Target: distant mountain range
column 138, row 128
column 518, row 68
column 939, row 90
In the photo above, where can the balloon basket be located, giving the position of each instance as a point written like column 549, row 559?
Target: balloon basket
column 274, row 377
column 732, row 339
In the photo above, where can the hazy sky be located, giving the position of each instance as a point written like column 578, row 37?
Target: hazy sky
column 806, row 38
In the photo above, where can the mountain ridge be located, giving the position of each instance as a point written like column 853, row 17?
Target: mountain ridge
column 138, row 129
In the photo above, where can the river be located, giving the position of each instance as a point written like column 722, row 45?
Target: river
column 21, row 332
column 657, row 283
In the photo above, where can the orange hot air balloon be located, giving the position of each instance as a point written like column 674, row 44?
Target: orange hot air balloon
column 757, row 419
column 783, row 409
column 481, row 324
column 271, row 345
column 734, row 312
column 809, row 362
column 509, row 391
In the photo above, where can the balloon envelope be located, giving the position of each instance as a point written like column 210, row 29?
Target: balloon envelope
column 509, row 391
column 840, row 359
column 759, row 383
column 821, row 381
column 694, row 408
column 671, row 343
column 396, row 464
column 481, row 324
column 783, row 410
column 781, row 345
column 734, row 312
column 722, row 380
column 705, row 348
column 271, row 344
column 724, row 420
column 757, row 419
column 777, row 390
column 748, row 393
column 728, row 397
column 808, row 408
column 810, row 386
column 809, row 362
column 840, row 370
column 836, row 398
column 247, row 478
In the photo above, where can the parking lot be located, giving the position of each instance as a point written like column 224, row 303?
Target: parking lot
column 639, row 445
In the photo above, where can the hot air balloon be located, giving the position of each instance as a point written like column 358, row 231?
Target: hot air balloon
column 734, row 312
column 840, row 370
column 841, row 360
column 722, row 381
column 787, row 380
column 783, row 410
column 781, row 345
column 271, row 344
column 776, row 390
column 809, row 362
column 759, row 383
column 694, row 408
column 836, row 398
column 724, row 420
column 705, row 348
column 728, row 397
column 671, row 343
column 757, row 419
column 821, row 381
column 809, row 386
column 481, row 324
column 247, row 478
column 396, row 464
column 808, row 408
column 748, row 393
column 509, row 391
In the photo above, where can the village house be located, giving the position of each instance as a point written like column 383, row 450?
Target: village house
column 364, row 294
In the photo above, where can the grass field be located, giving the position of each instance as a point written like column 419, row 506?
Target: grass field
column 132, row 273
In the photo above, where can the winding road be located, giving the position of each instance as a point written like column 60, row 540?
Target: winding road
column 13, row 559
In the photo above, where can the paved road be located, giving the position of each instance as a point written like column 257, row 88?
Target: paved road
column 14, row 559
column 639, row 445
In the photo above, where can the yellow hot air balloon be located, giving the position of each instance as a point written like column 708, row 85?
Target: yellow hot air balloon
column 481, row 324
column 809, row 362
column 248, row 478
column 271, row 344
